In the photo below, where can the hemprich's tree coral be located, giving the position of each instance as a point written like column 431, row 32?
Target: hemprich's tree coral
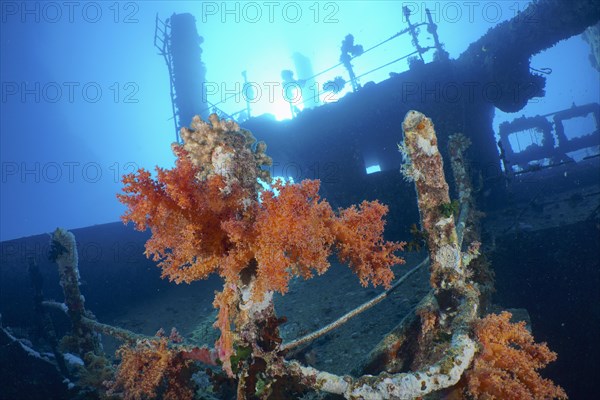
column 151, row 370
column 506, row 367
column 207, row 216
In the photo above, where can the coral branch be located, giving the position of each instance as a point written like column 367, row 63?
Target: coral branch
column 359, row 241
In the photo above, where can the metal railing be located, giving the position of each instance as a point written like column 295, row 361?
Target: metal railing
column 162, row 43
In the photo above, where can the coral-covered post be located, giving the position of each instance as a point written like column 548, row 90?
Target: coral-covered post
column 63, row 251
column 208, row 215
column 424, row 166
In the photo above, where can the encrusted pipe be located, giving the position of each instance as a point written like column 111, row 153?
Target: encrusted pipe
column 409, row 385
column 424, row 166
column 64, row 253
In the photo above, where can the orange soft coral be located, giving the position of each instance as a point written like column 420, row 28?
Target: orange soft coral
column 184, row 215
column 201, row 225
column 198, row 229
column 506, row 368
column 151, row 370
column 359, row 240
column 292, row 235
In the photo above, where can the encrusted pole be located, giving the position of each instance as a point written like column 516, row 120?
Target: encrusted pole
column 425, row 167
column 396, row 352
column 43, row 320
column 63, row 251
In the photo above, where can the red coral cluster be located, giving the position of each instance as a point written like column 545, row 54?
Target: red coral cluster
column 184, row 215
column 199, row 228
column 150, row 370
column 506, row 368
